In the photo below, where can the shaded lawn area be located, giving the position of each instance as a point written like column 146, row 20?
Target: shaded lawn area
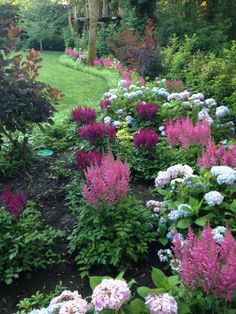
column 79, row 88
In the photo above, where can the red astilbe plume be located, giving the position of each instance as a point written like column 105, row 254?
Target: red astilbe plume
column 146, row 110
column 84, row 115
column 105, row 103
column 213, row 156
column 184, row 133
column 174, row 86
column 147, row 138
column 87, row 159
column 15, row 202
column 207, row 265
column 107, row 182
column 97, row 131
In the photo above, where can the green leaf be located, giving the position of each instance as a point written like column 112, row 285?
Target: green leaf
column 159, row 278
column 184, row 223
column 201, row 221
column 137, row 306
column 143, row 291
column 96, row 280
column 183, row 308
column 174, row 280
column 120, row 275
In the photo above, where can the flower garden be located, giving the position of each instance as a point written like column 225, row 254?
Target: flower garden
column 127, row 201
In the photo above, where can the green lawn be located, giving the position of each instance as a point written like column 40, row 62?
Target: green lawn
column 79, row 88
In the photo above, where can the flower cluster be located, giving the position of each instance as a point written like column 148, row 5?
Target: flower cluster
column 164, row 255
column 84, row 115
column 86, row 159
column 207, row 264
column 203, row 115
column 174, row 85
column 72, row 53
column 172, row 173
column 183, row 132
column 224, row 174
column 108, row 181
column 105, row 103
column 108, row 63
column 15, row 202
column 161, row 304
column 219, row 233
column 222, row 111
column 110, row 294
column 178, row 213
column 146, row 110
column 213, row 156
column 93, row 132
column 213, row 198
column 147, row 138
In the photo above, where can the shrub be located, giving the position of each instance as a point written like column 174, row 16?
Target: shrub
column 25, row 243
column 14, row 202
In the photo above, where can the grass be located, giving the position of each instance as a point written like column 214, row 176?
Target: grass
column 79, row 87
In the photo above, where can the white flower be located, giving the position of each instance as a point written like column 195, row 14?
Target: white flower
column 210, row 102
column 164, row 255
column 213, row 198
column 222, row 111
column 107, row 120
column 218, row 233
column 161, row 304
column 199, row 96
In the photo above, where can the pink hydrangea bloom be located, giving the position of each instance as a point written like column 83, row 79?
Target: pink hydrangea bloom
column 110, row 294
column 106, row 182
column 15, row 202
column 93, row 132
column 206, row 264
column 78, row 306
column 84, row 115
column 184, row 133
column 147, row 138
column 161, row 304
column 66, row 295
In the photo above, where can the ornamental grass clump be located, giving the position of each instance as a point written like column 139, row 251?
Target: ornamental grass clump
column 184, row 133
column 94, row 132
column 206, row 264
column 146, row 138
column 107, row 182
column 15, row 202
column 146, row 110
column 86, row 159
column 84, row 115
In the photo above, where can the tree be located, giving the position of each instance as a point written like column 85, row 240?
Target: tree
column 36, row 21
column 93, row 22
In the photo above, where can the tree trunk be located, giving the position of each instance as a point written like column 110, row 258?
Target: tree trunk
column 41, row 45
column 93, row 22
column 75, row 22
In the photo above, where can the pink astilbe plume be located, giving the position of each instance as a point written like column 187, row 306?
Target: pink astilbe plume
column 86, row 159
column 127, row 75
column 73, row 54
column 106, row 182
column 105, row 103
column 184, row 133
column 84, row 115
column 15, row 202
column 147, row 138
column 213, row 156
column 174, row 86
column 206, row 264
column 97, row 131
column 146, row 110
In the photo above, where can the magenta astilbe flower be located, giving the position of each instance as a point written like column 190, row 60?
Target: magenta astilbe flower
column 97, row 61
column 107, row 63
column 213, row 156
column 84, row 115
column 146, row 110
column 108, row 181
column 97, row 131
column 73, row 54
column 206, row 264
column 15, row 202
column 105, row 103
column 86, row 159
column 184, row 133
column 147, row 138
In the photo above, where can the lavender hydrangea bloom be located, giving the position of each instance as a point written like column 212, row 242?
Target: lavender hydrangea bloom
column 177, row 214
column 213, row 198
column 210, row 102
column 161, row 304
column 222, row 111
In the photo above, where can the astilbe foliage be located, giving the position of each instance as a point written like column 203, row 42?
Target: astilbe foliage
column 207, row 265
column 84, row 115
column 184, row 133
column 15, row 202
column 213, row 156
column 146, row 138
column 86, row 159
column 146, row 110
column 107, row 182
column 93, row 132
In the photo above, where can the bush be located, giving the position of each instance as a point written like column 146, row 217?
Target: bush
column 25, row 243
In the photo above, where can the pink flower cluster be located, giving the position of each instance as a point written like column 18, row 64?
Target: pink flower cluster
column 105, row 103
column 147, row 138
column 146, row 110
column 206, row 264
column 183, row 132
column 84, row 115
column 108, row 181
column 110, row 294
column 71, row 303
column 73, row 54
column 213, row 156
column 127, row 75
column 93, row 132
column 14, row 202
column 161, row 304
column 107, row 63
column 86, row 159
column 174, row 86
